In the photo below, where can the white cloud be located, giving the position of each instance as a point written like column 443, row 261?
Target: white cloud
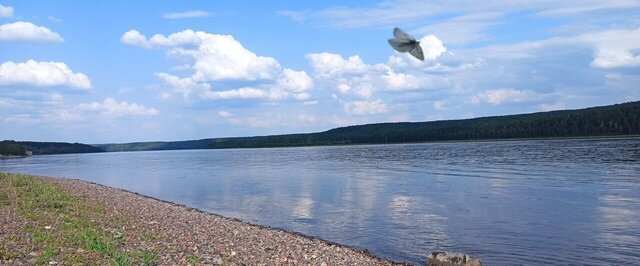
column 187, row 14
column 439, row 105
column 28, row 32
column 295, row 81
column 217, row 57
column 52, row 18
column 551, row 106
column 366, row 107
column 221, row 58
column 397, row 12
column 500, row 96
column 6, row 11
column 402, row 81
column 570, row 10
column 8, row 102
column 464, row 28
column 133, row 37
column 273, row 120
column 184, row 86
column 353, row 77
column 615, row 48
column 611, row 48
column 42, row 74
column 224, row 114
column 240, row 93
column 432, row 47
column 183, row 38
column 331, row 65
column 112, row 108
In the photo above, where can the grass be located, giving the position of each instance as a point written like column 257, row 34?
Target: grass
column 61, row 224
column 4, row 197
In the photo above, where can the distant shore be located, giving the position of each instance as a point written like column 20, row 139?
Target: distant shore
column 109, row 225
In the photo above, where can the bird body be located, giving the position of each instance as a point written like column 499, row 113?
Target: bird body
column 404, row 43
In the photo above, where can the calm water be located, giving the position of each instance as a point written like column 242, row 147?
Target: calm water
column 526, row 202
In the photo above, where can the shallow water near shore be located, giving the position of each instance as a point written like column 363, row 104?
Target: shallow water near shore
column 552, row 202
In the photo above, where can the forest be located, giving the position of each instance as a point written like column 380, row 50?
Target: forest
column 39, row 148
column 612, row 120
column 10, row 147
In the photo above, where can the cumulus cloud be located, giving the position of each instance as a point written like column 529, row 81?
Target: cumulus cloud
column 184, row 86
column 352, row 76
column 217, row 57
column 6, row 11
column 28, row 32
column 331, row 65
column 271, row 120
column 186, row 14
column 401, row 81
column 133, row 37
column 221, row 58
column 42, row 74
column 366, row 107
column 500, row 96
column 240, row 93
column 615, row 48
column 296, row 83
column 112, row 108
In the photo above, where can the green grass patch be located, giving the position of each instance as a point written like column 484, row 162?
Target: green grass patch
column 121, row 259
column 4, row 197
column 193, row 259
column 145, row 257
column 60, row 224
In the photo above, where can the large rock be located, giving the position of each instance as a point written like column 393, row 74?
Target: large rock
column 451, row 259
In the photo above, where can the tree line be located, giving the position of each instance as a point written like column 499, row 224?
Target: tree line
column 10, row 147
column 613, row 120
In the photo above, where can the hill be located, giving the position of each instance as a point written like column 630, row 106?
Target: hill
column 157, row 145
column 10, row 147
column 40, row 148
column 612, row 120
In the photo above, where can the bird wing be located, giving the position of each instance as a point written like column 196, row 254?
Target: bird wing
column 399, row 34
column 401, row 45
column 417, row 52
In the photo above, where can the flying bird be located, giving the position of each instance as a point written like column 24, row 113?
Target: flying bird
column 403, row 43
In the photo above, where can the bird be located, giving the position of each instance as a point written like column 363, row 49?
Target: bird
column 403, row 43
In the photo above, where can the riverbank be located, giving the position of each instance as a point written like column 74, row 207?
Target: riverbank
column 66, row 221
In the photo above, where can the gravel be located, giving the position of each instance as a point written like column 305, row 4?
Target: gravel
column 183, row 235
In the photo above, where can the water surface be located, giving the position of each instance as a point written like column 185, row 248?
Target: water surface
column 554, row 202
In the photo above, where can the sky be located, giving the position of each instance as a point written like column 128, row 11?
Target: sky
column 125, row 71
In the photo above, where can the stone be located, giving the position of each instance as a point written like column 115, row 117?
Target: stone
column 451, row 259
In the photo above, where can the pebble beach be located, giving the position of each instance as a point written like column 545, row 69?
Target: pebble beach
column 180, row 235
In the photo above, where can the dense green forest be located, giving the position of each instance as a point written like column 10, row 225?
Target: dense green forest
column 58, row 147
column 613, row 120
column 10, row 147
column 157, row 145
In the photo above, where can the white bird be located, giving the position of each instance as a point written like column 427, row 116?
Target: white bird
column 403, row 43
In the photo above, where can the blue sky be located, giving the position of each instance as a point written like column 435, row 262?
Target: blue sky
column 123, row 71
